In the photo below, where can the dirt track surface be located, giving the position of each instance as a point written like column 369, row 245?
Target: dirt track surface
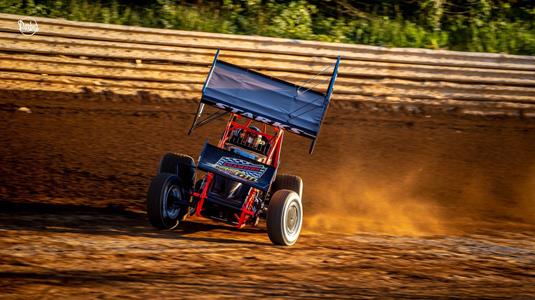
column 82, row 252
column 396, row 206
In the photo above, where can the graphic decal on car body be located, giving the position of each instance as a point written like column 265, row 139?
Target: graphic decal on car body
column 240, row 168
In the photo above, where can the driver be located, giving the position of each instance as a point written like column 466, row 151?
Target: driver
column 250, row 139
column 257, row 140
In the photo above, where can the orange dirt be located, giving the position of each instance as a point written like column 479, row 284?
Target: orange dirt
column 396, row 206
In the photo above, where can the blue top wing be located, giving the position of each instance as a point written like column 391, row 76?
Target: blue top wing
column 261, row 97
column 266, row 99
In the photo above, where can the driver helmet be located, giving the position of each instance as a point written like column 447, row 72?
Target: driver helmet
column 256, row 140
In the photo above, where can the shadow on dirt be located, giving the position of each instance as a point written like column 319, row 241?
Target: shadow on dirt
column 110, row 221
column 85, row 278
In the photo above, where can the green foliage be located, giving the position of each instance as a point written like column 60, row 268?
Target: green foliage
column 506, row 26
column 293, row 20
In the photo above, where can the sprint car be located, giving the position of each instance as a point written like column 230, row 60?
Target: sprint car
column 236, row 181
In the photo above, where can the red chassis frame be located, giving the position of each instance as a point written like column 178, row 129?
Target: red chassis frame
column 272, row 159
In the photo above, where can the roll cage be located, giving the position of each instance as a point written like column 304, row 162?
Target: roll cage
column 270, row 156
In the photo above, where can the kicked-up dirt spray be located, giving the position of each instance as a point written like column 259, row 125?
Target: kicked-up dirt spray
column 356, row 203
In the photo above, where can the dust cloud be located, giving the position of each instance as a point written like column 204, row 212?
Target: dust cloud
column 355, row 203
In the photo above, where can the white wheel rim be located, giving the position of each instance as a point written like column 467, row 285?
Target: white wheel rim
column 292, row 220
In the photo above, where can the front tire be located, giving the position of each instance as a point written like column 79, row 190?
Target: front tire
column 166, row 201
column 284, row 217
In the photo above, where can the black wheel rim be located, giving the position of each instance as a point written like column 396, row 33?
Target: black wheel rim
column 171, row 198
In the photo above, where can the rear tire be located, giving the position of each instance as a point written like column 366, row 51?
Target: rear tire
column 166, row 200
column 284, row 217
column 288, row 182
column 181, row 165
